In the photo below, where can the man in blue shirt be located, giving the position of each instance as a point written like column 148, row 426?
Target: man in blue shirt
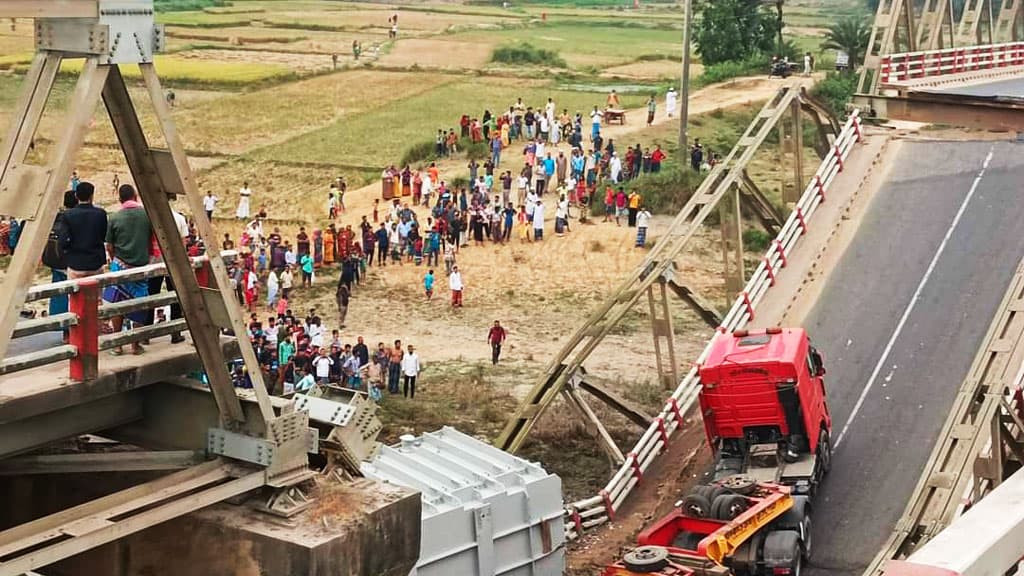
column 549, row 170
column 496, row 150
column 428, row 284
column 510, row 213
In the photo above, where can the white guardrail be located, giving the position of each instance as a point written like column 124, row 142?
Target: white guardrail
column 912, row 66
column 585, row 514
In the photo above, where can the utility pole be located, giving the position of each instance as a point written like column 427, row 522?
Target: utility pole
column 684, row 92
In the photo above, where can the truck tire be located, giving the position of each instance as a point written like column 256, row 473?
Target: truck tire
column 798, row 519
column 782, row 549
column 825, row 451
column 646, row 559
column 696, row 505
column 728, row 506
column 715, row 492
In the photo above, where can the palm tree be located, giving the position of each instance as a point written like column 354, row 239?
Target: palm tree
column 851, row 35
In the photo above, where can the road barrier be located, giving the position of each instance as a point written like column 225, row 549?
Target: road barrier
column 911, row 66
column 87, row 312
column 588, row 513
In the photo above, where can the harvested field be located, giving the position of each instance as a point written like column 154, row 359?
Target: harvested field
column 653, row 70
column 438, row 53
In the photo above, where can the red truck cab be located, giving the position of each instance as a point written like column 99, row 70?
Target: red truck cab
column 763, row 404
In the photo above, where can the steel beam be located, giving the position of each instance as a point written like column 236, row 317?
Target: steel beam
column 152, row 192
column 630, row 410
column 1004, row 115
column 134, row 461
column 49, row 9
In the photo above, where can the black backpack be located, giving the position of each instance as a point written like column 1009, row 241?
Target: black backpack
column 53, row 252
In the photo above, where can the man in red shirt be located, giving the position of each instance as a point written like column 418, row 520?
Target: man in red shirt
column 496, row 337
column 656, row 158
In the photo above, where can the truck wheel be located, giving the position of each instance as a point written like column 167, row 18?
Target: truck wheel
column 696, row 505
column 715, row 492
column 807, row 536
column 782, row 550
column 825, row 451
column 798, row 519
column 728, row 506
column 646, row 559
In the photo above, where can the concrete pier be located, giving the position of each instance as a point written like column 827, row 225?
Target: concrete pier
column 363, row 528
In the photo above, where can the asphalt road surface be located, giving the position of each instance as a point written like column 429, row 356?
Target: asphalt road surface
column 1013, row 88
column 899, row 323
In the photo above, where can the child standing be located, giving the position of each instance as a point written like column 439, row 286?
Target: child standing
column 428, row 284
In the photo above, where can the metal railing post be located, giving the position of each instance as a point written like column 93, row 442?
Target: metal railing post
column 85, row 335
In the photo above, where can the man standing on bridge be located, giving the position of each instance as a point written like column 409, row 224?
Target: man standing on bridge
column 86, row 229
column 128, row 245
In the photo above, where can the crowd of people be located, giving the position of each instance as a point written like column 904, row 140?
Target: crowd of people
column 426, row 223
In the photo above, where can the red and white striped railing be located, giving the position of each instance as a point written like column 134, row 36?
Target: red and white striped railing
column 909, row 67
column 588, row 513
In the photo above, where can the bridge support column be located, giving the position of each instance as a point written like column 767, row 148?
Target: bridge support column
column 732, row 244
column 340, row 535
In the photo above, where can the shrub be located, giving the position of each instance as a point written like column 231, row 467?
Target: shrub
column 524, row 53
column 835, row 91
column 757, row 64
column 756, row 240
column 475, row 150
column 419, row 152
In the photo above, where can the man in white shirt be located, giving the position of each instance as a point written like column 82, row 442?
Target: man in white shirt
column 322, row 364
column 595, row 123
column 521, row 185
column 242, row 213
column 643, row 220
column 272, row 287
column 286, row 279
column 538, row 221
column 455, row 285
column 209, row 203
column 410, row 370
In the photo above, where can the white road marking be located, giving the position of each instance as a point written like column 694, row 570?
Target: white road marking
column 913, row 300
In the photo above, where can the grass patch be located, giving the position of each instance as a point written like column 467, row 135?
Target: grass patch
column 382, row 136
column 175, row 70
column 455, row 394
column 596, row 45
column 199, row 19
column 238, row 123
column 186, row 5
column 524, row 53
column 756, row 240
column 836, row 90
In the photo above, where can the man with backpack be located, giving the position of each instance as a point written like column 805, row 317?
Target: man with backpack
column 53, row 256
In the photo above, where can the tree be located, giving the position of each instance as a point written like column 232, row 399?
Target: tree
column 851, row 35
column 733, row 30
